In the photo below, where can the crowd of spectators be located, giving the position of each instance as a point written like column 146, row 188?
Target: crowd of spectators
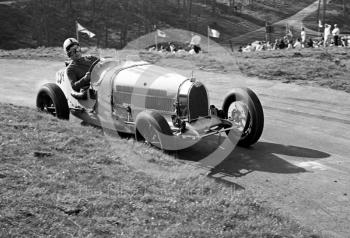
column 176, row 47
column 326, row 39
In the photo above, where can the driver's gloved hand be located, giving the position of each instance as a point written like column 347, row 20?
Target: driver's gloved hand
column 84, row 81
column 82, row 95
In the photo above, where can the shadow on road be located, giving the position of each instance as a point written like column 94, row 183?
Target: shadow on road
column 263, row 156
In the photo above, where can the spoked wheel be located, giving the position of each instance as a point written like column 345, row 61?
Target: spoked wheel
column 47, row 106
column 243, row 108
column 238, row 112
column 51, row 99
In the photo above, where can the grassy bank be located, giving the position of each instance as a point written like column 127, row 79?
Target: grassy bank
column 62, row 179
column 326, row 68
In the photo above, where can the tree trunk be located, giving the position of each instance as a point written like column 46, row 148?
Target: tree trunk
column 324, row 11
column 69, row 5
column 106, row 35
column 93, row 9
column 213, row 6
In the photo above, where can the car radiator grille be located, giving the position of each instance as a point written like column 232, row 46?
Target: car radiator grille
column 198, row 104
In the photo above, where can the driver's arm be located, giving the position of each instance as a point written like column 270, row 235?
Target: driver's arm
column 75, row 73
column 76, row 83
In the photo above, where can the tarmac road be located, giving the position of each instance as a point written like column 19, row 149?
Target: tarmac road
column 301, row 164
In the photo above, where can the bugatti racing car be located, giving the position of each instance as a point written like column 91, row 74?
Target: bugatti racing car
column 162, row 107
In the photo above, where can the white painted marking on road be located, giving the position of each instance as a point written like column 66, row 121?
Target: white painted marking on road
column 312, row 165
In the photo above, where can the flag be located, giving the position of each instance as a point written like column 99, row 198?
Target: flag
column 82, row 29
column 320, row 24
column 213, row 33
column 161, row 33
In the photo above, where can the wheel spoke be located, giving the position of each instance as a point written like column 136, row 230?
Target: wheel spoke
column 238, row 113
column 49, row 107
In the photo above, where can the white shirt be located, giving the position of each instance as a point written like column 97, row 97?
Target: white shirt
column 327, row 30
column 336, row 31
column 297, row 45
column 303, row 36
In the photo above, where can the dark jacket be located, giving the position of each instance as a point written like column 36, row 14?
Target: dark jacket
column 76, row 71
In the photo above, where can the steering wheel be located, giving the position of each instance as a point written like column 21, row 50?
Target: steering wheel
column 90, row 70
column 93, row 65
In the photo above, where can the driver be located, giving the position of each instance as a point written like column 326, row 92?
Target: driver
column 78, row 69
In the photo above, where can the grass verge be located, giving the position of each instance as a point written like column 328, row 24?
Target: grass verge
column 61, row 179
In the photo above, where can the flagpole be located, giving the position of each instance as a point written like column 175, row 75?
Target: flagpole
column 76, row 30
column 156, row 36
column 208, row 38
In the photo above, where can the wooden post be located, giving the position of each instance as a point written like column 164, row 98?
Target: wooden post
column 324, row 11
column 76, row 30
column 208, row 38
column 318, row 16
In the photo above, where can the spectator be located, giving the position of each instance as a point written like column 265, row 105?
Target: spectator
column 259, row 47
column 327, row 34
column 344, row 41
column 297, row 45
column 310, row 43
column 335, row 34
column 275, row 45
column 320, row 42
column 197, row 48
column 282, row 44
column 249, row 48
column 303, row 37
column 192, row 51
column 172, row 47
column 269, row 46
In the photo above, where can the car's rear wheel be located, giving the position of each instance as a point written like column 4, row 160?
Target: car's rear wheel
column 153, row 128
column 243, row 108
column 51, row 99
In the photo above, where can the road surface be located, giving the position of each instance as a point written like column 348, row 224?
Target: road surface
column 301, row 165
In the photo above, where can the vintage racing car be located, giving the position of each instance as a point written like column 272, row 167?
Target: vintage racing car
column 167, row 109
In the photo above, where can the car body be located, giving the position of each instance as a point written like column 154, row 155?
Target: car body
column 167, row 109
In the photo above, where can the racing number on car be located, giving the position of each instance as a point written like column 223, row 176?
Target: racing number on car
column 60, row 77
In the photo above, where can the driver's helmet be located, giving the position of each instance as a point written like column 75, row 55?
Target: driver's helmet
column 68, row 43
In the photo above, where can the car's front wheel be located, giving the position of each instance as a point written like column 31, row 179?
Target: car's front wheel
column 51, row 99
column 243, row 108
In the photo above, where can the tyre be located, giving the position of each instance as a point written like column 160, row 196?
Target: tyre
column 243, row 108
column 51, row 99
column 153, row 128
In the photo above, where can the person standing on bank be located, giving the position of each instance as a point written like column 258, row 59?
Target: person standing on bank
column 77, row 70
column 335, row 34
column 303, row 37
column 327, row 34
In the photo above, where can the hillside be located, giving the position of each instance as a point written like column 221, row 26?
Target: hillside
column 33, row 23
column 68, row 180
